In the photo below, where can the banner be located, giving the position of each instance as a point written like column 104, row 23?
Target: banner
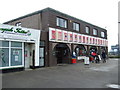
column 83, row 39
column 90, row 40
column 58, row 35
column 70, row 36
column 79, row 38
column 75, row 37
column 65, row 36
column 52, row 34
column 98, row 41
column 87, row 40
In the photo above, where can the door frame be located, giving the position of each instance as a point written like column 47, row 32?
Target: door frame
column 44, row 55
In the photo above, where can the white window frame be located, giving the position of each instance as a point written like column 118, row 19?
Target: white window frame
column 61, row 22
column 18, row 24
column 102, row 34
column 16, row 66
column 87, row 29
column 76, row 26
column 94, row 31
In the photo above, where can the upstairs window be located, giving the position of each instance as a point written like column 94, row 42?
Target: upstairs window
column 87, row 29
column 102, row 34
column 61, row 22
column 76, row 26
column 18, row 24
column 94, row 31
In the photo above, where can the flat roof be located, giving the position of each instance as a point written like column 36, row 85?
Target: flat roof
column 50, row 9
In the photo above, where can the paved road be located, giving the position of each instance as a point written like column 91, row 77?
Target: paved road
column 65, row 76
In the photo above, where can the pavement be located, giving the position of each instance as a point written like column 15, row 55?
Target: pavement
column 65, row 76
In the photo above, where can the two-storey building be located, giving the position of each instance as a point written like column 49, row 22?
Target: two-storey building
column 61, row 35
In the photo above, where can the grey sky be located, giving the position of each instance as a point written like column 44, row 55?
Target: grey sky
column 103, row 13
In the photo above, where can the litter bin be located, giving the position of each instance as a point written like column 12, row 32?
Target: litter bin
column 73, row 60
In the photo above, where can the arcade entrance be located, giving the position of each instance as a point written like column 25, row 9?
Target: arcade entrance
column 93, row 49
column 62, row 53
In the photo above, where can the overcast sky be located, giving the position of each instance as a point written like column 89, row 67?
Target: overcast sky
column 103, row 13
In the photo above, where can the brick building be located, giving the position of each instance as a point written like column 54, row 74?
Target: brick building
column 62, row 35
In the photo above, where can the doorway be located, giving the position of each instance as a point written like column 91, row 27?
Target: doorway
column 93, row 49
column 62, row 53
column 42, row 56
column 80, row 50
column 29, row 54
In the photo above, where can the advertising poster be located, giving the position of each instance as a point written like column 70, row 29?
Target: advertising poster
column 83, row 39
column 79, row 38
column 93, row 40
column 52, row 34
column 70, row 36
column 98, row 41
column 102, row 42
column 75, row 37
column 90, row 40
column 86, row 40
column 59, row 35
column 106, row 43
column 65, row 36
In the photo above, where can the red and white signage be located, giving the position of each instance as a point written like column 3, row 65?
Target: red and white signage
column 83, row 39
column 87, row 40
column 75, row 37
column 65, row 36
column 70, row 37
column 58, row 35
column 52, row 34
column 79, row 38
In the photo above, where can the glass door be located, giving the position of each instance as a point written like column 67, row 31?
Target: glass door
column 42, row 56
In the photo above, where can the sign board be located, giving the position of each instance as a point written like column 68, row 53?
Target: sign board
column 70, row 37
column 58, row 35
column 65, row 36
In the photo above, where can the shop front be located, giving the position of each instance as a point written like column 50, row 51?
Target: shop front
column 19, row 47
column 64, row 43
column 62, row 53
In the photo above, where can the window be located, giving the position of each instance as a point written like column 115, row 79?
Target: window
column 94, row 31
column 87, row 29
column 16, row 53
column 4, row 44
column 80, row 50
column 4, row 57
column 16, row 57
column 11, row 53
column 61, row 22
column 18, row 24
column 102, row 34
column 76, row 26
column 16, row 44
column 42, row 43
column 4, row 53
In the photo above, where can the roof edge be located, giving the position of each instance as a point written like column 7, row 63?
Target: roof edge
column 56, row 11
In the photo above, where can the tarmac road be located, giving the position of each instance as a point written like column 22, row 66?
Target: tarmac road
column 65, row 76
